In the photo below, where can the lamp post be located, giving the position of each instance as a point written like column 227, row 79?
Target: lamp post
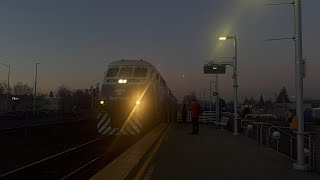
column 235, row 79
column 8, row 86
column 217, row 99
column 35, row 90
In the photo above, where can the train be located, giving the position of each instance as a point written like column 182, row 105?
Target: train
column 134, row 98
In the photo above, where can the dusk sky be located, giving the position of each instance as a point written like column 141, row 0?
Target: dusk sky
column 75, row 40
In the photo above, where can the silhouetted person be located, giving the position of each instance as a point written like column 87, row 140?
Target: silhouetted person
column 184, row 113
column 195, row 112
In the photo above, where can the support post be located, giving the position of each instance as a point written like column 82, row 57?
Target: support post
column 300, row 164
column 235, row 84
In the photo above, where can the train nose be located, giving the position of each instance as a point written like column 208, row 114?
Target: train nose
column 112, row 124
column 104, row 124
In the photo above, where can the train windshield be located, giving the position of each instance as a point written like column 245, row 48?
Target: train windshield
column 126, row 72
column 140, row 72
column 112, row 72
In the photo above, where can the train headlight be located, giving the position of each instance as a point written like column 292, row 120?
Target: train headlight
column 122, row 81
column 138, row 102
column 102, row 102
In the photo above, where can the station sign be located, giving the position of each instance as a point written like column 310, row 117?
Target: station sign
column 214, row 69
column 15, row 98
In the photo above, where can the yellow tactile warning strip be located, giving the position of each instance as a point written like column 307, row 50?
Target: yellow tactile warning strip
column 141, row 172
column 121, row 167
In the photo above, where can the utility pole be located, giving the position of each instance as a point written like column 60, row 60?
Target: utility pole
column 91, row 98
column 299, row 75
column 299, row 66
column 7, row 104
column 35, row 90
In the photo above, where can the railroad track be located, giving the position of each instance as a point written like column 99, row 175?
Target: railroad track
column 79, row 162
column 24, row 145
column 41, row 125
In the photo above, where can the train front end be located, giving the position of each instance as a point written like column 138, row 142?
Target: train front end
column 123, row 100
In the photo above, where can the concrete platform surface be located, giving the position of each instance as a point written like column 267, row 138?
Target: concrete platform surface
column 122, row 167
column 217, row 154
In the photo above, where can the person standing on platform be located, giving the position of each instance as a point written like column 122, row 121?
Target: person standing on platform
column 195, row 112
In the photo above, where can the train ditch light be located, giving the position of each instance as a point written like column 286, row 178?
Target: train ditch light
column 102, row 102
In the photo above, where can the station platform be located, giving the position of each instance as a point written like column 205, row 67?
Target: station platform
column 217, row 154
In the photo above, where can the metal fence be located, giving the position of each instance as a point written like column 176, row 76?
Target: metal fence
column 281, row 139
column 205, row 117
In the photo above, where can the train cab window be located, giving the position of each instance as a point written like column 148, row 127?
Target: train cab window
column 140, row 72
column 125, row 72
column 112, row 72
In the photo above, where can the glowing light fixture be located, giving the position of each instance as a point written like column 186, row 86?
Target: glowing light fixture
column 102, row 102
column 138, row 102
column 223, row 38
column 122, row 81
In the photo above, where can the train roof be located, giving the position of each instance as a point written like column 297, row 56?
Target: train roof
column 131, row 63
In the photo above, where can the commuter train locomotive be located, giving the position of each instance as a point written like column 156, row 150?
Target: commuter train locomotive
column 134, row 98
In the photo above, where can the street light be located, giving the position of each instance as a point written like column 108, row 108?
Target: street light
column 235, row 79
column 7, row 103
column 35, row 90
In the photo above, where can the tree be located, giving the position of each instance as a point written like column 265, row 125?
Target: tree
column 246, row 102
column 2, row 87
column 222, row 103
column 261, row 102
column 283, row 96
column 63, row 92
column 230, row 103
column 20, row 89
column 51, row 94
column 97, row 91
column 252, row 101
column 268, row 105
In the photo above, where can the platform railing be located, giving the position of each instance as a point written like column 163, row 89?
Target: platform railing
column 205, row 117
column 276, row 132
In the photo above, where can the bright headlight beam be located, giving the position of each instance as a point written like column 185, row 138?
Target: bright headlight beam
column 138, row 102
column 122, row 81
